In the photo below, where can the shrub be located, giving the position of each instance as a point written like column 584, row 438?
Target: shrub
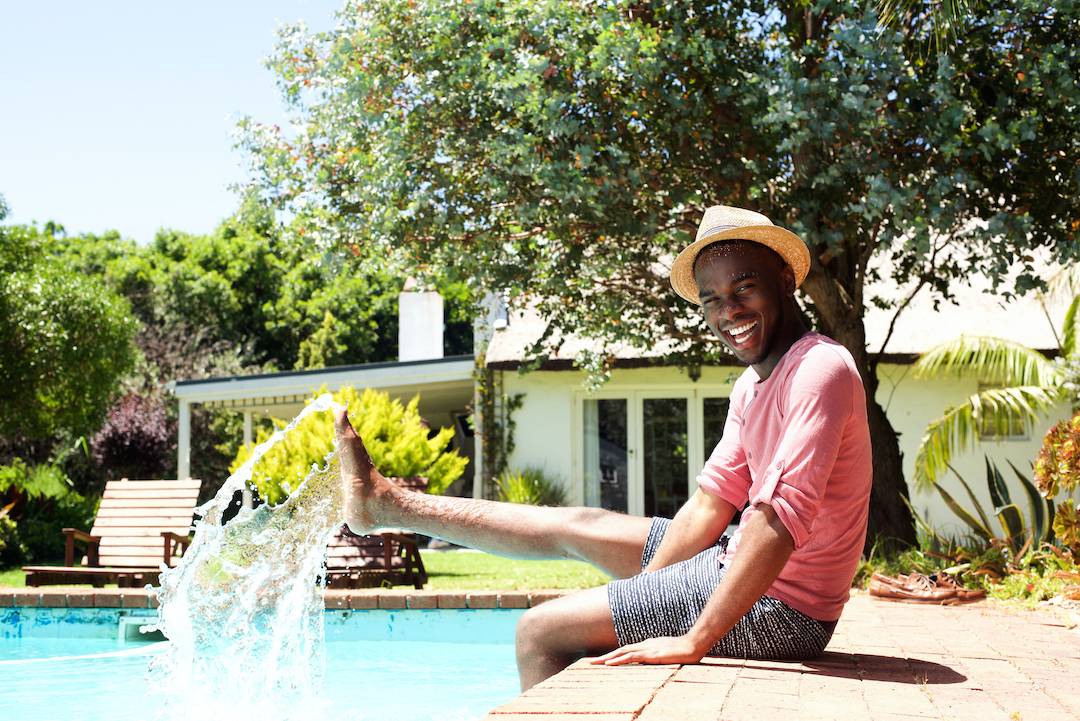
column 37, row 504
column 1057, row 470
column 65, row 343
column 135, row 440
column 397, row 439
column 1020, row 532
column 530, row 486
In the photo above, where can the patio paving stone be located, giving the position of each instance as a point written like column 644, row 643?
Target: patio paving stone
column 887, row 662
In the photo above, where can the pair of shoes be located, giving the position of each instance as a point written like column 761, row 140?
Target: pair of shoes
column 917, row 588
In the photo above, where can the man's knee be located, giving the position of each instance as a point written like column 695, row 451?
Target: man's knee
column 581, row 520
column 533, row 628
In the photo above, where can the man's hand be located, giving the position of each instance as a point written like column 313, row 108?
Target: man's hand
column 665, row 649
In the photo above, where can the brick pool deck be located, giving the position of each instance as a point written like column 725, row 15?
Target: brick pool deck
column 886, row 662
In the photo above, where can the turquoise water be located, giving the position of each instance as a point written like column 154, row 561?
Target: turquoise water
column 447, row 665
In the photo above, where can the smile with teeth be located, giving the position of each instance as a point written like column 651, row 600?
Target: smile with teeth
column 742, row 333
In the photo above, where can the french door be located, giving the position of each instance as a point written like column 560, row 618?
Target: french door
column 639, row 452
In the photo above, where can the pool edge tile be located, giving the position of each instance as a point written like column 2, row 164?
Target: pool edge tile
column 27, row 598
column 54, row 599
column 80, row 599
column 453, row 600
column 514, row 599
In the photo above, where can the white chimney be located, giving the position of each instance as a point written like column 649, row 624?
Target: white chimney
column 420, row 324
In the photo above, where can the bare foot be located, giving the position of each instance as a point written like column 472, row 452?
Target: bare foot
column 365, row 489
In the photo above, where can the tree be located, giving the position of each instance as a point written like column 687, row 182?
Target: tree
column 559, row 150
column 65, row 343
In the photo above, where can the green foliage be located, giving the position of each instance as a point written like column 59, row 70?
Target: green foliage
column 9, row 549
column 395, row 435
column 597, row 118
column 1020, row 532
column 1031, row 386
column 65, row 343
column 39, row 533
column 530, row 486
column 36, row 503
column 32, row 483
column 1057, row 470
column 556, row 150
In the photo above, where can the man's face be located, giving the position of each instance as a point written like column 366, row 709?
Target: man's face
column 743, row 289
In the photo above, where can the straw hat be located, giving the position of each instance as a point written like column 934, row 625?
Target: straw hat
column 723, row 222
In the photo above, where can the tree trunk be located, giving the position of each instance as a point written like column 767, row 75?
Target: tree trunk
column 891, row 524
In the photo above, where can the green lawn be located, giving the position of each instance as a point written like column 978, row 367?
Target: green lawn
column 12, row 578
column 467, row 570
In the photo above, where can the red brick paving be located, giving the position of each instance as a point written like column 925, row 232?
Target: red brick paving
column 886, row 662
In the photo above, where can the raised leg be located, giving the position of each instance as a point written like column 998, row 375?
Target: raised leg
column 611, row 541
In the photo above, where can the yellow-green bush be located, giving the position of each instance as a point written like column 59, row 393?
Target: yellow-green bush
column 394, row 434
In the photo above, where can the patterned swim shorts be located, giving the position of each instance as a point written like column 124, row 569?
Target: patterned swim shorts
column 668, row 602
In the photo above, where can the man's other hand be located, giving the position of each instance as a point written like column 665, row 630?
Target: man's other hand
column 665, row 649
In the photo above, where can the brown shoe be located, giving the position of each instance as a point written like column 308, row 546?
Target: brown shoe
column 912, row 588
column 964, row 595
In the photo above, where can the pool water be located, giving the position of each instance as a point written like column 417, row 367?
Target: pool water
column 405, row 666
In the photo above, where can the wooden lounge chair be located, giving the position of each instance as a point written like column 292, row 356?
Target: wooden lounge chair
column 388, row 557
column 139, row 525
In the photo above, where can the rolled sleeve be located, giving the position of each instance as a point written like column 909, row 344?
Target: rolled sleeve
column 726, row 473
column 818, row 406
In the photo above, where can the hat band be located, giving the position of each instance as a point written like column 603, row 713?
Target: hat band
column 715, row 228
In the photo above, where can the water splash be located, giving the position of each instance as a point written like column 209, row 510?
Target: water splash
column 242, row 610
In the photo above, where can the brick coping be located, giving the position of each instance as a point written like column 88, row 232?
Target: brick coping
column 334, row 599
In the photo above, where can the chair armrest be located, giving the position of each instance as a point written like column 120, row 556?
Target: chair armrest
column 171, row 540
column 92, row 542
column 184, row 541
column 404, row 538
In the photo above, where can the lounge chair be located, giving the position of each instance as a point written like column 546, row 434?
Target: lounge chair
column 389, row 557
column 139, row 525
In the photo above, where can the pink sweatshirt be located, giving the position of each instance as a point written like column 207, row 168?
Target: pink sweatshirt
column 799, row 441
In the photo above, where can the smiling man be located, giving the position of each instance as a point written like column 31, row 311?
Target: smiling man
column 795, row 455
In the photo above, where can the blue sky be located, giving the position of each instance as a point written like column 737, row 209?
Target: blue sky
column 119, row 115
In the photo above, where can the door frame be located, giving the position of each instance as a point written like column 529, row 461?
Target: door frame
column 634, row 397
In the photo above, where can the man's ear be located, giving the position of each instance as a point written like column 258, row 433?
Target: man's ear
column 787, row 280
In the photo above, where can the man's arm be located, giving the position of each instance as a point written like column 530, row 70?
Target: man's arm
column 695, row 527
column 764, row 547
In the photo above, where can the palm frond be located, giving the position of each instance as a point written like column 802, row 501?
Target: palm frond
column 944, row 17
column 1064, row 282
column 958, row 430
column 993, row 360
column 1071, row 332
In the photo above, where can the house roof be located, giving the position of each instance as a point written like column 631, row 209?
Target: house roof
column 974, row 310
column 444, row 381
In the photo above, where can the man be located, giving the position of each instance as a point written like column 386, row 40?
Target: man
column 795, row 452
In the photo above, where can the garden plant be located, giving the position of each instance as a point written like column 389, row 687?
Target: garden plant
column 400, row 442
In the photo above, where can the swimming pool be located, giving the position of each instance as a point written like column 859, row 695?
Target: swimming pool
column 409, row 665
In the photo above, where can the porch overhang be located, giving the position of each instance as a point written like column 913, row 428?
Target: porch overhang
column 445, row 386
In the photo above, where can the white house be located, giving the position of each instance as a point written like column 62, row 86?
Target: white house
column 637, row 444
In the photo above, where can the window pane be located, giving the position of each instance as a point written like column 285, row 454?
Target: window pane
column 606, row 458
column 665, row 435
column 715, row 416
